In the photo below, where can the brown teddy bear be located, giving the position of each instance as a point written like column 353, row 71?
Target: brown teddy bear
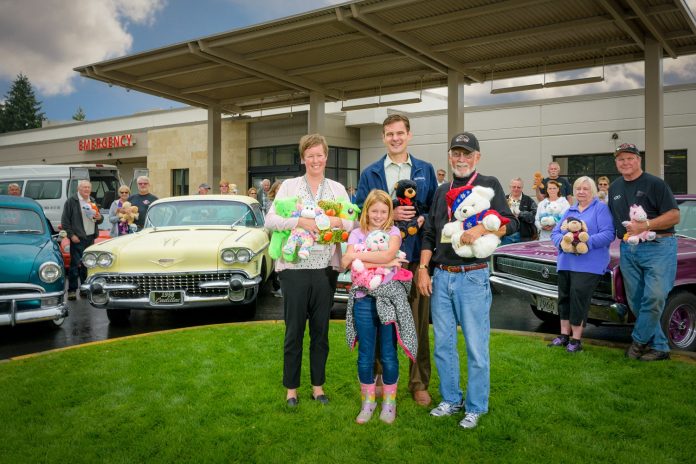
column 576, row 237
column 538, row 180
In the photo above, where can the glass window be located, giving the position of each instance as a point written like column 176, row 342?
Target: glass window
column 20, row 221
column 261, row 156
column 287, row 155
column 43, row 189
column 180, row 182
column 4, row 185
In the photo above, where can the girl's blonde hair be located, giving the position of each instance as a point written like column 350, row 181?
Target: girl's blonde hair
column 377, row 196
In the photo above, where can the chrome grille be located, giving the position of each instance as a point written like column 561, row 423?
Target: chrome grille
column 187, row 282
column 543, row 272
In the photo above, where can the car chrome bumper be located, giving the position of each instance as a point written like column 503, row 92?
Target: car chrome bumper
column 240, row 290
column 600, row 310
column 50, row 311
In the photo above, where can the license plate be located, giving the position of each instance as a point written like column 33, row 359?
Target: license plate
column 548, row 305
column 167, row 298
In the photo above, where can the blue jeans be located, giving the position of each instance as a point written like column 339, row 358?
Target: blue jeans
column 649, row 270
column 77, row 272
column 512, row 238
column 463, row 299
column 367, row 324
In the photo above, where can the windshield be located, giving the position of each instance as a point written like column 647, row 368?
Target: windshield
column 20, row 221
column 687, row 222
column 201, row 213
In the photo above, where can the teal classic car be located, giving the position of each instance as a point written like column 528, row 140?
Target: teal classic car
column 32, row 277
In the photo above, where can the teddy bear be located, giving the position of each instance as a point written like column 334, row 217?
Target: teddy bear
column 406, row 191
column 127, row 215
column 576, row 237
column 301, row 240
column 638, row 214
column 514, row 205
column 371, row 278
column 471, row 206
column 552, row 215
column 91, row 210
column 538, row 180
column 284, row 207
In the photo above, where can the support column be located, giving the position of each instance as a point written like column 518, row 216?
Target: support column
column 455, row 108
column 214, row 170
column 654, row 109
column 317, row 113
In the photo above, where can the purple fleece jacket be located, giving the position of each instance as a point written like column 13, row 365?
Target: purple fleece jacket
column 600, row 227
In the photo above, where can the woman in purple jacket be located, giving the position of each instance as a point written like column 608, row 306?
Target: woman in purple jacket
column 578, row 274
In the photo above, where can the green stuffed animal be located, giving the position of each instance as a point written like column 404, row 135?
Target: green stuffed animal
column 348, row 210
column 342, row 208
column 284, row 207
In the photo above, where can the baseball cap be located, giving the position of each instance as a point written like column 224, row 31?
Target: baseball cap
column 204, row 186
column 627, row 148
column 465, row 140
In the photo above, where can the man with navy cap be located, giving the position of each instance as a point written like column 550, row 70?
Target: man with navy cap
column 648, row 268
column 459, row 289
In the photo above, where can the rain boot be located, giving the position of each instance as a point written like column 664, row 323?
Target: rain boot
column 388, row 413
column 367, row 391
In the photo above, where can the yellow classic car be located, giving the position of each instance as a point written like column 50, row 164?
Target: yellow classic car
column 196, row 250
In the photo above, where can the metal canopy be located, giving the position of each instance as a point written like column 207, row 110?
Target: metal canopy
column 378, row 47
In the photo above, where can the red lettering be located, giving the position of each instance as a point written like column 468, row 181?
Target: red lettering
column 129, row 138
column 79, row 145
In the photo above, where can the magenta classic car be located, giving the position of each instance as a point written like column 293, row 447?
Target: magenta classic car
column 530, row 269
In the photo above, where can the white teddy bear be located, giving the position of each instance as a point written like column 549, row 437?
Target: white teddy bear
column 553, row 214
column 471, row 206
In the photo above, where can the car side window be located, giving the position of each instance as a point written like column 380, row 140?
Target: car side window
column 5, row 184
column 43, row 189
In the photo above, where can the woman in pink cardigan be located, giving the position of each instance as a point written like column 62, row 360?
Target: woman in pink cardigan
column 308, row 284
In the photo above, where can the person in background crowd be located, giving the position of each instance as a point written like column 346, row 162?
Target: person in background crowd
column 579, row 274
column 554, row 169
column 309, row 284
column 383, row 174
column 603, row 189
column 649, row 267
column 553, row 189
column 143, row 199
column 80, row 220
column 524, row 208
column 225, row 187
column 275, row 283
column 351, row 194
column 460, row 289
column 441, row 174
column 252, row 193
column 263, row 195
column 118, row 227
column 203, row 189
column 14, row 190
column 233, row 189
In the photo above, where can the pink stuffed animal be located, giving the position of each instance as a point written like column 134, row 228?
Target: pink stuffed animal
column 638, row 214
column 377, row 240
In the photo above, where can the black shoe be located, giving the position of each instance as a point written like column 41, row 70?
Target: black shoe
column 655, row 355
column 636, row 350
column 321, row 398
column 292, row 402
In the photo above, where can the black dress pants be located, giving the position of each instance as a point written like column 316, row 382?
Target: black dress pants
column 307, row 295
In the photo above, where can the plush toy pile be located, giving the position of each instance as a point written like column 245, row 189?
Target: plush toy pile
column 127, row 215
column 638, row 214
column 406, row 191
column 576, row 238
column 371, row 278
column 296, row 243
column 469, row 207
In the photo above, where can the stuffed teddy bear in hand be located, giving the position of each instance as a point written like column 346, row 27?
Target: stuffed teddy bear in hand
column 638, row 214
column 538, row 180
column 406, row 191
column 301, row 240
column 552, row 215
column 471, row 206
column 371, row 278
column 127, row 215
column 576, row 237
column 91, row 210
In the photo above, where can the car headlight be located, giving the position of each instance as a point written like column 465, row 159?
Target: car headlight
column 105, row 259
column 236, row 255
column 89, row 260
column 50, row 272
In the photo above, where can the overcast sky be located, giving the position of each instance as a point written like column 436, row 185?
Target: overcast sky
column 46, row 39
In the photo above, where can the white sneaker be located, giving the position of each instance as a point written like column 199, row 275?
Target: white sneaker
column 277, row 293
column 446, row 409
column 470, row 420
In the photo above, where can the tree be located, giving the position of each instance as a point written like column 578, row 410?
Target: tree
column 79, row 114
column 22, row 110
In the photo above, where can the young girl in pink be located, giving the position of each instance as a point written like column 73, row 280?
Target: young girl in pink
column 383, row 310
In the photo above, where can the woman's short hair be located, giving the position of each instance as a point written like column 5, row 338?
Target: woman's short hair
column 603, row 179
column 553, row 182
column 583, row 179
column 311, row 140
column 377, row 196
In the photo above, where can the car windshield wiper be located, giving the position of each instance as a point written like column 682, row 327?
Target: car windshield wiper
column 22, row 231
column 240, row 219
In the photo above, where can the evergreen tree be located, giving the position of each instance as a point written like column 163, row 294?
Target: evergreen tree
column 22, row 110
column 79, row 114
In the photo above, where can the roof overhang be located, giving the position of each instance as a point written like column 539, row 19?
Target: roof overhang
column 378, row 47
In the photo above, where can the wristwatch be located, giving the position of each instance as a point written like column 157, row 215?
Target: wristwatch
column 422, row 266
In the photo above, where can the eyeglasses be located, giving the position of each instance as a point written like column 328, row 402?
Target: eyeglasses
column 603, row 184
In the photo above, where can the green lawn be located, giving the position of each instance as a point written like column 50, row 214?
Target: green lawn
column 214, row 394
